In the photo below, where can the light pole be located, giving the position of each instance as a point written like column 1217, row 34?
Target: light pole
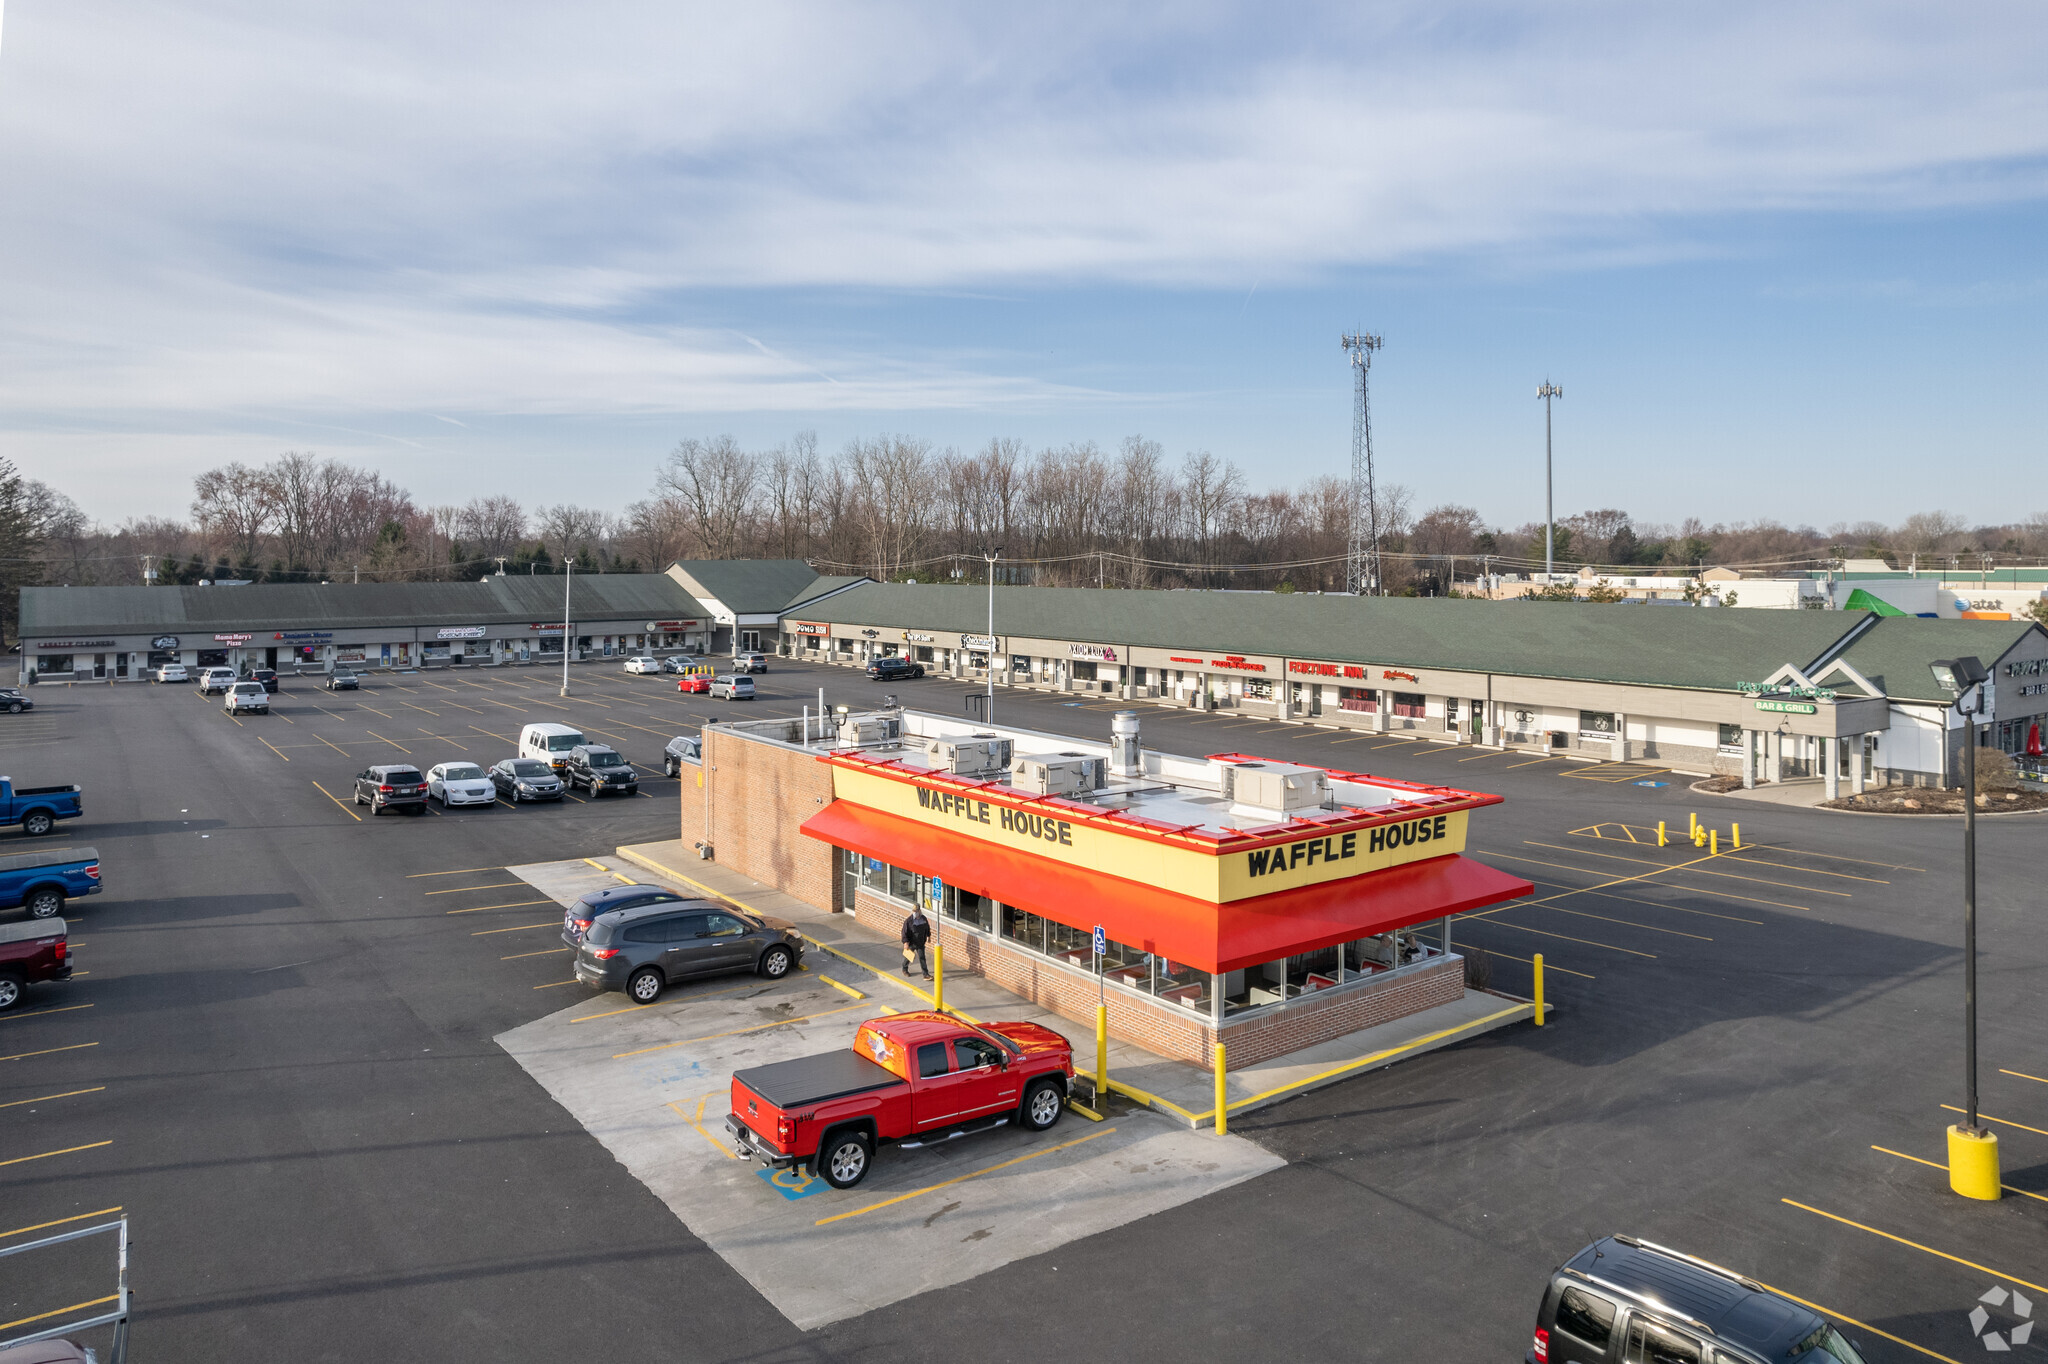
column 568, row 575
column 1972, row 1150
column 991, row 557
column 1546, row 393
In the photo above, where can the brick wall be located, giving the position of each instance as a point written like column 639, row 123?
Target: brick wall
column 1169, row 1029
column 759, row 794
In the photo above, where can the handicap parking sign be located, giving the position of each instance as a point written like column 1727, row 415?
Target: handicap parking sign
column 793, row 1184
column 1653, row 783
column 1101, row 942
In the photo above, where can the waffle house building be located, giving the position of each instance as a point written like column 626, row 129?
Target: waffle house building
column 1264, row 905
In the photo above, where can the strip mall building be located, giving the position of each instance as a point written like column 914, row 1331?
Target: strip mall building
column 1266, row 906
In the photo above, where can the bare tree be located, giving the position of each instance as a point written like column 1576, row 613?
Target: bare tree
column 570, row 530
column 234, row 505
column 490, row 526
column 717, row 483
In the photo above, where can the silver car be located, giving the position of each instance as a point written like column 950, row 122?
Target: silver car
column 518, row 779
column 732, row 687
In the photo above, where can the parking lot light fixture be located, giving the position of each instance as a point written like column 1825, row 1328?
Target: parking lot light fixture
column 568, row 576
column 1972, row 1150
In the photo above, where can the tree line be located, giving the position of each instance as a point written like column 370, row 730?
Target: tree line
column 899, row 508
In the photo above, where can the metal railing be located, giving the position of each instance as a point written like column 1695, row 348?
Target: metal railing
column 117, row 1317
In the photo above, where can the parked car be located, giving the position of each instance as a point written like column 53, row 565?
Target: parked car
column 38, row 808
column 392, row 786
column 601, row 770
column 891, row 668
column 733, row 687
column 44, row 881
column 14, row 702
column 913, row 1079
column 30, row 952
column 695, row 683
column 170, row 672
column 750, row 663
column 460, row 784
column 644, row 950
column 212, row 680
column 643, row 663
column 578, row 918
column 244, row 696
column 266, row 676
column 679, row 750
column 342, row 679
column 676, row 663
column 1622, row 1298
column 518, row 779
column 550, row 743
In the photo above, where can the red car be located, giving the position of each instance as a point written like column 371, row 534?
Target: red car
column 31, row 951
column 912, row 1079
column 693, row 684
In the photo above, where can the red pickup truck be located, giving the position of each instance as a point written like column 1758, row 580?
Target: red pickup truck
column 913, row 1079
column 31, row 950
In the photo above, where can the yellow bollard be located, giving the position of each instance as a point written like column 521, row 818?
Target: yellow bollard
column 1222, row 1097
column 1735, row 836
column 1661, row 840
column 1101, row 1052
column 1973, row 1163
column 938, row 973
column 1714, row 842
column 1539, row 989
column 1694, row 824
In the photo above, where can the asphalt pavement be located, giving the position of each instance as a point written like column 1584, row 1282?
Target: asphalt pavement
column 277, row 1060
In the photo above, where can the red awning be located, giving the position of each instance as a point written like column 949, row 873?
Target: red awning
column 1206, row 936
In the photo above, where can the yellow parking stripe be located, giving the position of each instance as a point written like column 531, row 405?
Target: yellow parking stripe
column 1929, row 1250
column 2023, row 1193
column 458, row 890
column 59, row 1311
column 67, row 1094
column 48, row 1051
column 1859, row 1325
column 2002, row 1122
column 778, row 1023
column 79, row 1217
column 45, row 1155
column 516, row 928
column 961, row 1179
column 516, row 904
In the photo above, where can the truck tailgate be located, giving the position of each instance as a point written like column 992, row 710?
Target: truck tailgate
column 814, row 1079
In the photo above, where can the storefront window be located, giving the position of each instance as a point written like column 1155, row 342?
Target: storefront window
column 1024, row 928
column 1360, row 699
column 1076, row 946
column 1258, row 689
column 1410, row 705
column 901, row 885
column 1731, row 738
column 1082, row 671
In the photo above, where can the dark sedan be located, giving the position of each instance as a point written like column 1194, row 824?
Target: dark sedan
column 13, row 702
column 643, row 950
column 520, row 779
column 342, row 679
column 891, row 669
column 267, row 676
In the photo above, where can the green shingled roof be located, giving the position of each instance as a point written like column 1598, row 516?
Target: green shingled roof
column 512, row 599
column 1895, row 655
column 1674, row 646
column 749, row 587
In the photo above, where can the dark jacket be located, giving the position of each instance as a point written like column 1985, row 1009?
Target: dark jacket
column 917, row 930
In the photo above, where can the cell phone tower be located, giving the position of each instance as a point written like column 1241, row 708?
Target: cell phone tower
column 1362, row 564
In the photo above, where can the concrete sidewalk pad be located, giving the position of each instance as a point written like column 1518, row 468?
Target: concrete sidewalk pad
column 1176, row 1088
column 652, row 1085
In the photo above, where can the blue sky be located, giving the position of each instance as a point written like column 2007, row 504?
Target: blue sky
column 1784, row 264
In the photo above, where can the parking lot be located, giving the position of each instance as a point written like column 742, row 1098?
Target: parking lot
column 280, row 1058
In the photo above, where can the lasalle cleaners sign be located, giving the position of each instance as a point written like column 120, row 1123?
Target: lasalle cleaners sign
column 1215, row 874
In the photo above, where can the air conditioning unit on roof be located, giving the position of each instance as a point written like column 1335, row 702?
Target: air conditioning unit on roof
column 1057, row 774
column 974, row 757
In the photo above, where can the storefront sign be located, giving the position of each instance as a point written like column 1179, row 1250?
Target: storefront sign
column 810, row 627
column 672, row 627
column 1176, row 658
column 552, row 628
column 2027, row 667
column 1788, row 707
column 871, row 634
column 1356, row 671
column 164, row 642
column 1101, row 653
column 232, row 639
column 977, row 641
column 304, row 636
column 1080, row 842
column 1394, row 675
column 92, row 644
column 1237, row 663
column 459, row 632
column 1785, row 689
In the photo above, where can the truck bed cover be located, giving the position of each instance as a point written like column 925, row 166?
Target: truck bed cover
column 814, row 1079
column 56, row 857
column 21, row 930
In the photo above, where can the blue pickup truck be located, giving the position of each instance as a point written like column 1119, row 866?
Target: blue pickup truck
column 38, row 808
column 44, row 881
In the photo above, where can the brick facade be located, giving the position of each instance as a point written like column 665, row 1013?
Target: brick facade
column 1172, row 1030
column 759, row 793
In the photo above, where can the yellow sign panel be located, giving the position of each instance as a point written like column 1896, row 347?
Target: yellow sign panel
column 1186, row 871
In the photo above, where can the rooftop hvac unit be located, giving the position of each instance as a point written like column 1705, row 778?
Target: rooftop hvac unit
column 981, row 756
column 1057, row 774
column 1277, row 789
column 869, row 727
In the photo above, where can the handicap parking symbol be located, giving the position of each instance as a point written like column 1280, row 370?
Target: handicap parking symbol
column 1653, row 783
column 793, row 1184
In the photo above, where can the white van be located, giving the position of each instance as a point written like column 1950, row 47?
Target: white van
column 549, row 743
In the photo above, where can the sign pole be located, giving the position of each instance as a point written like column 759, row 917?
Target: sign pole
column 1101, row 1019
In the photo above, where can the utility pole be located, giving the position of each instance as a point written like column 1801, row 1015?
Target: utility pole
column 1546, row 393
column 501, row 564
column 1362, row 563
column 568, row 576
column 359, row 573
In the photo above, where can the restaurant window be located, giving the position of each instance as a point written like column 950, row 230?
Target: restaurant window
column 1730, row 738
column 902, row 885
column 1258, row 688
column 1075, row 946
column 1410, row 705
column 1082, row 670
column 976, row 911
column 1024, row 928
column 1360, row 699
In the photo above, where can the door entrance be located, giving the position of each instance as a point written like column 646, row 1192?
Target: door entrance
column 750, row 641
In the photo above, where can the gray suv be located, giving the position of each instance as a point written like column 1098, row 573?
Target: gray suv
column 644, row 950
column 392, row 786
column 1626, row 1301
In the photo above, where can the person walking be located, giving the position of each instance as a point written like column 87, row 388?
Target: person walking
column 917, row 931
